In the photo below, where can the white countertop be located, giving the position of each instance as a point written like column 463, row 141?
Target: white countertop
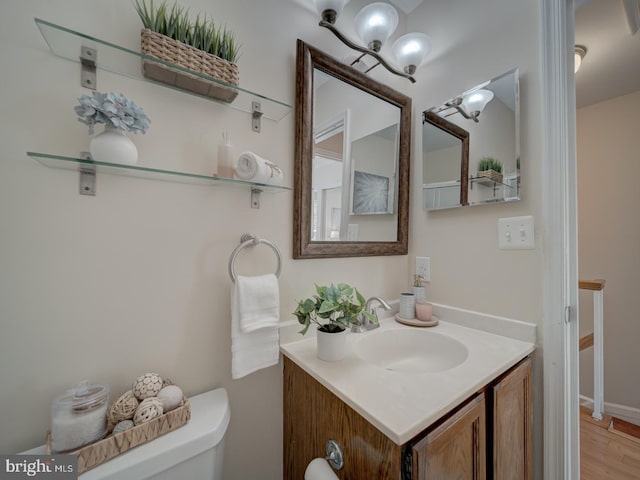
column 401, row 405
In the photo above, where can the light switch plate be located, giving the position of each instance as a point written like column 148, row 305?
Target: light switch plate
column 516, row 233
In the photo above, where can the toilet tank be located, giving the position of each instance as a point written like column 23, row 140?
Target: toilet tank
column 193, row 451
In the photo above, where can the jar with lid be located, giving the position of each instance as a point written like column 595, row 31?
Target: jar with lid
column 79, row 417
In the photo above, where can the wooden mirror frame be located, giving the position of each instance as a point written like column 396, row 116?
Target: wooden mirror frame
column 460, row 133
column 308, row 58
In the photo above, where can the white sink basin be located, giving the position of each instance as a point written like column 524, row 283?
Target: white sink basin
column 411, row 351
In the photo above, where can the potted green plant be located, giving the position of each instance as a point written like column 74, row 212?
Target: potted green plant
column 333, row 309
column 490, row 168
column 119, row 115
column 200, row 46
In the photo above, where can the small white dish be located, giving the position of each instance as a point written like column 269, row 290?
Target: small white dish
column 414, row 322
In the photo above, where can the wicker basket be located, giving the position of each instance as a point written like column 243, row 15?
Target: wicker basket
column 92, row 455
column 491, row 175
column 177, row 53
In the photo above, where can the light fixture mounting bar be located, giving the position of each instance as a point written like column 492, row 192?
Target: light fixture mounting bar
column 364, row 50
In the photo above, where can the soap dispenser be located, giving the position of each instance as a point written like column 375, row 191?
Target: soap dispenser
column 226, row 167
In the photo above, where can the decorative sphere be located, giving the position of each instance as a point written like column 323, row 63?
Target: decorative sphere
column 149, row 409
column 171, row 397
column 123, row 408
column 147, row 385
column 122, row 426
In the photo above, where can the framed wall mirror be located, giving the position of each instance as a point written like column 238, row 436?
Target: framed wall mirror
column 445, row 146
column 490, row 114
column 351, row 179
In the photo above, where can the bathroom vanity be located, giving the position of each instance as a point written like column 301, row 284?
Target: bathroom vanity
column 465, row 412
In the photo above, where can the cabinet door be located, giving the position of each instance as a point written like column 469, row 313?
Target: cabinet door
column 456, row 449
column 512, row 419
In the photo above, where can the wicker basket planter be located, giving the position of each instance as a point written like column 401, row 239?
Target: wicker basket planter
column 92, row 455
column 177, row 53
column 491, row 175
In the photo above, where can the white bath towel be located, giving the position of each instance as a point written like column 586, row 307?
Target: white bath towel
column 254, row 168
column 257, row 347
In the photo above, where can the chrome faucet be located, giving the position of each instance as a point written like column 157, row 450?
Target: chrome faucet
column 366, row 324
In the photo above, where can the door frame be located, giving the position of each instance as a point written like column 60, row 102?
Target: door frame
column 559, row 189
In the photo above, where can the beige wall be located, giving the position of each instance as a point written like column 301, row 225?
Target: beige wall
column 609, row 237
column 135, row 280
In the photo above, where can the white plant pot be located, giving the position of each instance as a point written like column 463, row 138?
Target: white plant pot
column 113, row 146
column 331, row 346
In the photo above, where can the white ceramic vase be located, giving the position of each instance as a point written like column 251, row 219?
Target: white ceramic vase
column 113, row 146
column 331, row 346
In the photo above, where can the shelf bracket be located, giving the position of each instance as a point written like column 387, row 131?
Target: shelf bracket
column 255, row 197
column 87, row 177
column 88, row 59
column 256, row 115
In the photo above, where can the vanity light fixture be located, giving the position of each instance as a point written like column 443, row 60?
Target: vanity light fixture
column 374, row 24
column 578, row 54
column 470, row 105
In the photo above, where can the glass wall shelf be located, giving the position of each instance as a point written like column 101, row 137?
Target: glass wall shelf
column 487, row 182
column 67, row 44
column 72, row 163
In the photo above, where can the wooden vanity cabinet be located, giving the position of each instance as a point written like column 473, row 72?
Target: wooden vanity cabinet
column 511, row 446
column 454, row 449
column 488, row 436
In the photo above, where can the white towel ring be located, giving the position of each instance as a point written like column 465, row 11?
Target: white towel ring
column 250, row 240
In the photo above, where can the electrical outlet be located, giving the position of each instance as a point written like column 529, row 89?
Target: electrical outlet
column 423, row 268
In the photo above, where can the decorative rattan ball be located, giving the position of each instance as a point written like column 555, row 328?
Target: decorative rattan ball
column 147, row 385
column 170, row 396
column 148, row 409
column 123, row 408
column 122, row 426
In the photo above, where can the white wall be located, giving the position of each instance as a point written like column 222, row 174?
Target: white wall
column 135, row 280
column 609, row 236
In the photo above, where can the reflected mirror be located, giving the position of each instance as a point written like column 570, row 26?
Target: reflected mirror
column 445, row 147
column 352, row 161
column 490, row 113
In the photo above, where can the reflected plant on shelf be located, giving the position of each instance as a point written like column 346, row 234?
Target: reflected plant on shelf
column 113, row 110
column 333, row 308
column 490, row 168
column 489, row 163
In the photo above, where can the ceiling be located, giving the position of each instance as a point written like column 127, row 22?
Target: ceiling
column 611, row 66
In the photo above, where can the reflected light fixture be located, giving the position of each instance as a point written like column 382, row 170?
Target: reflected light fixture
column 470, row 105
column 374, row 24
column 578, row 55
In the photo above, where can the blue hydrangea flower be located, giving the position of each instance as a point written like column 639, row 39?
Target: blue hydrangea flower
column 112, row 109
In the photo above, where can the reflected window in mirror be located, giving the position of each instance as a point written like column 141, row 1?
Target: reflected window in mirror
column 352, row 161
column 490, row 113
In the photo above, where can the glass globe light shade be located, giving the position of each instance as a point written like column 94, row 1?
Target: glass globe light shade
column 375, row 23
column 410, row 50
column 330, row 9
column 474, row 102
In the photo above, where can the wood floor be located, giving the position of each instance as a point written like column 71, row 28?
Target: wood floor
column 607, row 455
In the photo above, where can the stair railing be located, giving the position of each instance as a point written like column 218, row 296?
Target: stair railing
column 596, row 339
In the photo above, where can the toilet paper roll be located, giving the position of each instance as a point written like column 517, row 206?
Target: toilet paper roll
column 319, row 469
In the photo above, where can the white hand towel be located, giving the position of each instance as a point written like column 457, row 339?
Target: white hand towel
column 258, row 302
column 259, row 348
column 254, row 168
